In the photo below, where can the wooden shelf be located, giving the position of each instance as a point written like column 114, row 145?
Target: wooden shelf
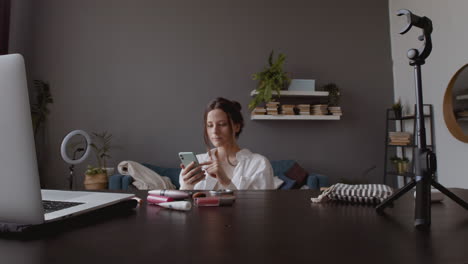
column 405, row 174
column 462, row 97
column 404, row 150
column 407, row 146
column 410, row 117
column 295, row 117
column 287, row 93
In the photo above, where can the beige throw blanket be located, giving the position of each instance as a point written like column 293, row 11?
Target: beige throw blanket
column 144, row 178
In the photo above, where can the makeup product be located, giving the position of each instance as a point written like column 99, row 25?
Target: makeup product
column 137, row 199
column 214, row 200
column 155, row 199
column 170, row 193
column 222, row 192
column 178, row 205
column 198, row 194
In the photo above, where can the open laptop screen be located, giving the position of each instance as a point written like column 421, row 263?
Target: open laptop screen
column 20, row 194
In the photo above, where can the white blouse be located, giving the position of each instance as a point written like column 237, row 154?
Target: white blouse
column 252, row 172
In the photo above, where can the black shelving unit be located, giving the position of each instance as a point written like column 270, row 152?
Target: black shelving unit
column 429, row 118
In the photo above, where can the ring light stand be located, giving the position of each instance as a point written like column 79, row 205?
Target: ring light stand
column 72, row 161
column 424, row 159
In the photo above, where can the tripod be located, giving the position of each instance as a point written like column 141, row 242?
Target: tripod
column 72, row 168
column 425, row 162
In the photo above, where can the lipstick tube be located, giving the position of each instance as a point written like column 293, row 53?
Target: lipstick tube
column 178, row 205
column 170, row 193
column 214, row 200
column 156, row 199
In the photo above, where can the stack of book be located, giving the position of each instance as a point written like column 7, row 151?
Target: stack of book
column 399, row 138
column 462, row 114
column 272, row 108
column 259, row 110
column 335, row 110
column 320, row 109
column 287, row 109
column 304, row 109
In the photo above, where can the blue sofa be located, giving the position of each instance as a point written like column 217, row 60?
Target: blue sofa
column 280, row 167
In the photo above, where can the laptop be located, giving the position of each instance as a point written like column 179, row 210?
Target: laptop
column 21, row 198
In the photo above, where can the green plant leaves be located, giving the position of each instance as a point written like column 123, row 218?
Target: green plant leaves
column 333, row 94
column 93, row 171
column 39, row 110
column 397, row 106
column 101, row 146
column 272, row 78
column 396, row 159
column 270, row 59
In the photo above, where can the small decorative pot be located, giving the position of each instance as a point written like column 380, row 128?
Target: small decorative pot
column 397, row 113
column 402, row 167
column 96, row 182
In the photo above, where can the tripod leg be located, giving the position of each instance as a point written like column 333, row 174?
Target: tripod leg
column 450, row 194
column 395, row 196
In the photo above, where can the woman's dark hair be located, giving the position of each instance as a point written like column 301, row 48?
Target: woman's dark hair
column 232, row 110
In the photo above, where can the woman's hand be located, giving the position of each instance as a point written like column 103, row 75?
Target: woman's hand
column 192, row 174
column 214, row 169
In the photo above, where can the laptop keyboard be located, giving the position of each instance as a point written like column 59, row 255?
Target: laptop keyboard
column 52, row 206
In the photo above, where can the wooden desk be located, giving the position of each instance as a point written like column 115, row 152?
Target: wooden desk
column 262, row 227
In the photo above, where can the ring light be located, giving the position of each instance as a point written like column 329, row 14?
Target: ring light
column 63, row 148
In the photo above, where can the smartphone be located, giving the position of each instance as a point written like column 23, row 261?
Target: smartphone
column 187, row 157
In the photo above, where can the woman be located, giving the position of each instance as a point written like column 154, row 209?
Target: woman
column 226, row 166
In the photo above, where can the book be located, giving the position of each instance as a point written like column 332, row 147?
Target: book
column 288, row 106
column 272, row 104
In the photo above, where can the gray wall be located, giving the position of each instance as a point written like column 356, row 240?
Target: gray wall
column 21, row 29
column 144, row 70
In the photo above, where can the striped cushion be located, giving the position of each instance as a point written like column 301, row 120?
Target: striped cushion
column 358, row 193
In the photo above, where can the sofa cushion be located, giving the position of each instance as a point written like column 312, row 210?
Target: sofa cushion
column 115, row 182
column 127, row 181
column 298, row 174
column 281, row 166
column 322, row 180
column 312, row 181
column 277, row 182
column 120, row 182
column 288, row 183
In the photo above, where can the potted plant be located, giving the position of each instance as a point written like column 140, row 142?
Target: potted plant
column 39, row 110
column 273, row 78
column 333, row 94
column 403, row 165
column 400, row 164
column 96, row 177
column 41, row 97
column 395, row 160
column 397, row 109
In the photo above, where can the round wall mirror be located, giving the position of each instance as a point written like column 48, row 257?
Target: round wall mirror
column 456, row 105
